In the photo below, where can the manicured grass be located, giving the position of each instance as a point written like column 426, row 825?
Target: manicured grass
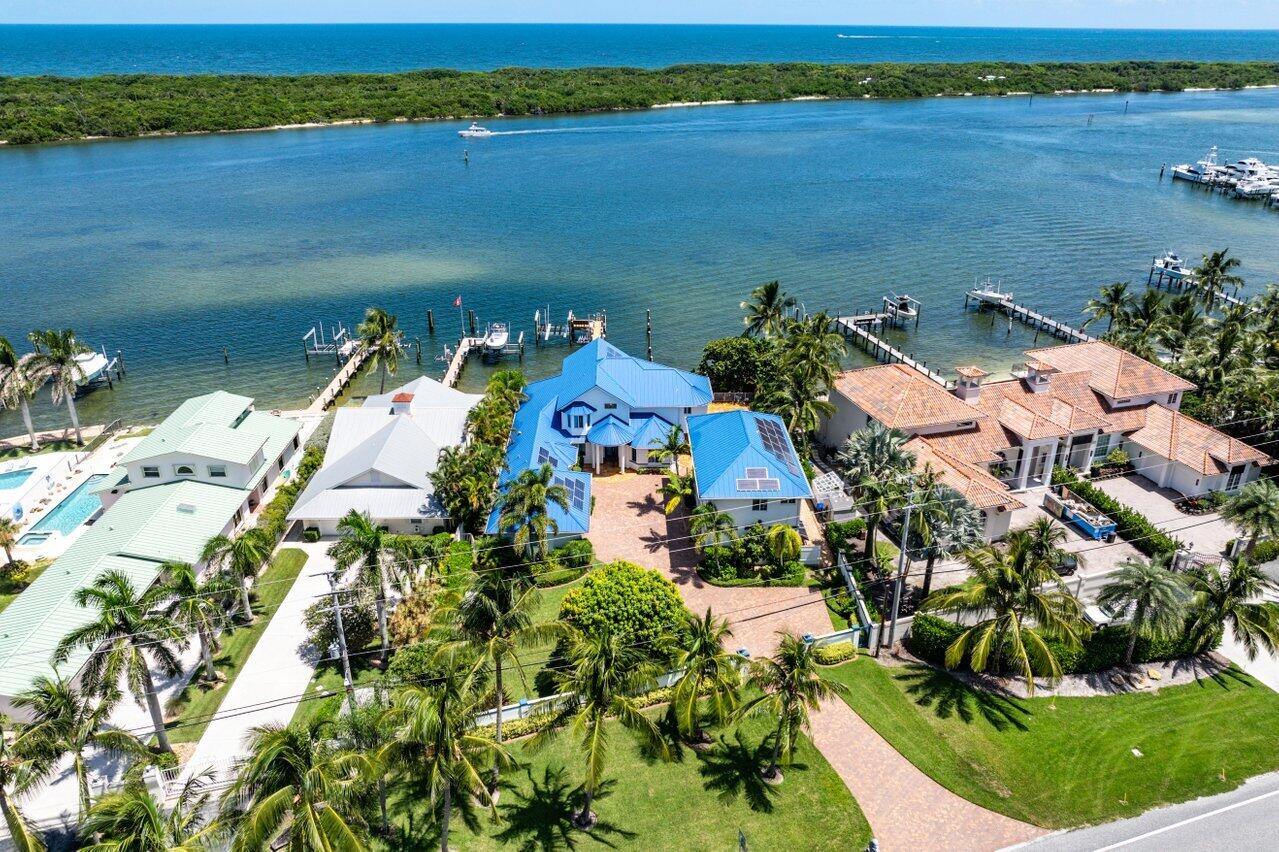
column 137, row 433
column 23, row 448
column 1070, row 761
column 198, row 701
column 328, row 682
column 10, row 591
column 699, row 801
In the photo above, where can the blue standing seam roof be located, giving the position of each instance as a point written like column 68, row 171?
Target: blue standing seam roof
column 575, row 521
column 651, row 431
column 610, row 432
column 733, row 461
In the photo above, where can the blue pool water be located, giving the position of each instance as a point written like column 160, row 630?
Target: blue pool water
column 14, row 478
column 73, row 510
column 32, row 539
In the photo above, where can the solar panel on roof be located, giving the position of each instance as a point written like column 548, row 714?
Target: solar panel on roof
column 544, row 456
column 774, row 440
column 770, row 485
column 757, row 472
column 576, row 491
column 748, row 485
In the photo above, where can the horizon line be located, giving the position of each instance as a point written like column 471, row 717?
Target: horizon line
column 617, row 24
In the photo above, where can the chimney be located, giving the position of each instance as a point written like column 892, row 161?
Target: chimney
column 968, row 388
column 1038, row 375
column 400, row 403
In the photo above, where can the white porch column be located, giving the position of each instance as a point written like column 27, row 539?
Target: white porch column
column 596, row 452
column 1023, row 467
column 621, row 458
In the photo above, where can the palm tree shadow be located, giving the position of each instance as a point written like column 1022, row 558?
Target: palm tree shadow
column 731, row 770
column 542, row 816
column 948, row 697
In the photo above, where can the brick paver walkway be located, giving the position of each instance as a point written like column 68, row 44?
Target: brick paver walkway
column 628, row 523
column 906, row 809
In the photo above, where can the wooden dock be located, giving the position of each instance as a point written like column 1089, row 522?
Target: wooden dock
column 464, row 348
column 1161, row 279
column 885, row 352
column 340, row 381
column 1003, row 302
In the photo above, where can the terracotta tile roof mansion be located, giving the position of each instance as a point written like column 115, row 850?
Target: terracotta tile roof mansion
column 1067, row 406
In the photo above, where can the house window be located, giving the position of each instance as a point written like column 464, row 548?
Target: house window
column 759, row 505
column 151, row 472
column 417, row 522
column 1102, row 447
column 183, row 470
column 790, row 502
column 1123, row 401
column 579, row 421
column 295, row 442
column 609, row 406
column 688, row 410
column 239, row 516
column 1172, row 399
column 966, row 424
column 217, row 471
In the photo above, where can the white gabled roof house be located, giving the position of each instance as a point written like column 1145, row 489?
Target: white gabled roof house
column 380, row 457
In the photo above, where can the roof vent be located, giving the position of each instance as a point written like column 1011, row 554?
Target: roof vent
column 186, row 508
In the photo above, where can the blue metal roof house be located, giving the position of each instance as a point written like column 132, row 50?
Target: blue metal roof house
column 604, row 408
column 745, row 464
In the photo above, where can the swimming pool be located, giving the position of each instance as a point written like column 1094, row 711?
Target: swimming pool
column 14, row 478
column 73, row 510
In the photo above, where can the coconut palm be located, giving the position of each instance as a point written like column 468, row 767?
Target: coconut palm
column 1113, row 302
column 945, row 523
column 1214, row 274
column 22, row 768
column 1005, row 595
column 710, row 684
column 673, row 446
column 1153, row 598
column 131, row 820
column 526, row 509
column 293, row 784
column 766, row 309
column 16, row 390
column 54, row 361
column 1040, row 541
column 602, row 674
column 123, row 622
column 464, row 480
column 9, row 530
column 1233, row 595
column 813, row 350
column 385, row 342
column 677, row 489
column 789, row 686
column 1183, row 324
column 784, row 543
column 198, row 606
column 65, row 721
column 240, row 556
column 496, row 619
column 433, row 740
column 362, row 729
column 1255, row 511
column 794, row 397
column 878, row 464
column 372, row 551
column 506, row 387
column 712, row 527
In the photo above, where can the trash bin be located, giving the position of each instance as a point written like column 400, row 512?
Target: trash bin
column 1110, row 537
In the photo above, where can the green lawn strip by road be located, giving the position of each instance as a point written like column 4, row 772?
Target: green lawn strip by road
column 699, row 801
column 1069, row 761
column 10, row 591
column 197, row 700
column 23, row 449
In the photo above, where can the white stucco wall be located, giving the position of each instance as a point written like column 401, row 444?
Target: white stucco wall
column 742, row 513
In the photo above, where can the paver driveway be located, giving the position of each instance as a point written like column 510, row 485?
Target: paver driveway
column 628, row 523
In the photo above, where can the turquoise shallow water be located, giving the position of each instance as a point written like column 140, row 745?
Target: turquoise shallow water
column 170, row 249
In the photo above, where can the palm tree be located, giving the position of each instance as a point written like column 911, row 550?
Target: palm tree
column 813, row 350
column 1041, row 541
column 1183, row 324
column 1153, row 598
column 131, row 820
column 54, row 361
column 784, row 543
column 22, row 768
column 65, row 721
column 125, row 623
column 362, row 729
column 602, row 675
column 674, row 446
column 1112, row 302
column 370, row 549
column 9, row 530
column 711, row 527
column 790, row 684
column 496, row 618
column 385, row 342
column 293, row 784
column 945, row 523
column 1255, row 511
column 1006, row 593
column 432, row 737
column 15, row 386
column 878, row 463
column 766, row 309
column 241, row 557
column 197, row 607
column 1233, row 596
column 1215, row 273
column 676, row 489
column 710, row 675
column 794, row 397
column 526, row 505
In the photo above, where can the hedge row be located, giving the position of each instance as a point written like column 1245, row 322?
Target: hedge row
column 1132, row 526
column 274, row 519
column 930, row 636
column 529, row 725
column 835, row 652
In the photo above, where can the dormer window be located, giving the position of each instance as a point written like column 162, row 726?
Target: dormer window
column 150, row 472
column 183, row 470
column 1172, row 399
column 610, row 406
column 217, row 471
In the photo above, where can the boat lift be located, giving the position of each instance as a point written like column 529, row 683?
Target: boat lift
column 575, row 330
column 339, row 343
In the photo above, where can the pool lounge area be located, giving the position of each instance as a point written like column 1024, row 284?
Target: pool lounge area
column 76, row 508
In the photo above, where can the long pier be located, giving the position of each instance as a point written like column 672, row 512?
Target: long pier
column 343, row 378
column 458, row 361
column 885, row 352
column 1003, row 302
column 1161, row 278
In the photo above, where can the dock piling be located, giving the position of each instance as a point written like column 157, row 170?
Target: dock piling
column 418, row 342
column 430, row 321
column 226, row 359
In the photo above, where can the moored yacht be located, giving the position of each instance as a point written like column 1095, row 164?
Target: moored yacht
column 1173, row 266
column 1202, row 171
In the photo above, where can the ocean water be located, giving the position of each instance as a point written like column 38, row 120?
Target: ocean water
column 296, row 49
column 170, row 249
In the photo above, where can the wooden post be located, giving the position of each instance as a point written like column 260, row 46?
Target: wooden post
column 306, row 353
column 471, row 315
column 119, row 359
column 226, row 359
column 418, row 342
column 430, row 321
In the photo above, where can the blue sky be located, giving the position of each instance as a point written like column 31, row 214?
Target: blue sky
column 1207, row 14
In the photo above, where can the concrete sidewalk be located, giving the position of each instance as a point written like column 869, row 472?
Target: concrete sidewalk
column 276, row 674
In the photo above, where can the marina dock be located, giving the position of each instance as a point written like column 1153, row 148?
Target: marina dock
column 457, row 359
column 340, row 381
column 1177, row 278
column 989, row 297
column 857, row 327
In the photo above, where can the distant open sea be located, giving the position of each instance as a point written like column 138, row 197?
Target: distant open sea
column 305, row 49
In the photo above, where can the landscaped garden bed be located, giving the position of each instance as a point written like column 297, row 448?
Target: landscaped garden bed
column 1201, row 505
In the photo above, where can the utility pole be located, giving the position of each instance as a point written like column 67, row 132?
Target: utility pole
column 346, row 660
column 903, row 559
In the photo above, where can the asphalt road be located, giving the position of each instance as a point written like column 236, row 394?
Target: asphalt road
column 1244, row 819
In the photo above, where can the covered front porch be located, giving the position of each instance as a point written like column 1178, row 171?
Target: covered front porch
column 612, row 442
column 1030, row 464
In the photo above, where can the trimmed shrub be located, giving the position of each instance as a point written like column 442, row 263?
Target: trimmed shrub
column 634, row 602
column 842, row 535
column 358, row 621
column 578, row 553
column 834, row 653
column 516, row 728
column 311, row 534
column 1265, row 551
column 414, row 664
column 930, row 636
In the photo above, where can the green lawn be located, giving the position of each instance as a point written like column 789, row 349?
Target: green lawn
column 10, row 591
column 328, row 682
column 699, row 801
column 23, row 448
column 198, row 700
column 1070, row 761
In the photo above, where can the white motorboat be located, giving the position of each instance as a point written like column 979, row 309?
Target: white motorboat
column 496, row 336
column 1173, row 266
column 475, row 131
column 92, row 366
column 1202, row 171
column 1258, row 187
